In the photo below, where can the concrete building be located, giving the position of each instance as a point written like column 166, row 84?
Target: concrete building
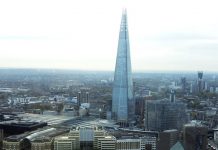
column 81, row 138
column 65, row 143
column 195, row 137
column 128, row 144
column 122, row 96
column 42, row 143
column 98, row 134
column 148, row 143
column 167, row 139
column 75, row 135
column 97, row 138
column 139, row 112
column 16, row 142
column 106, row 143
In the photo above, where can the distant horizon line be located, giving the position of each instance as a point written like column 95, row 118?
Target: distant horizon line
column 96, row 70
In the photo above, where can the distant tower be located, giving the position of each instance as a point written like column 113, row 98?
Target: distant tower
column 172, row 96
column 123, row 105
column 87, row 97
column 183, row 82
column 200, row 75
column 191, row 88
column 195, row 137
column 78, row 98
column 200, row 81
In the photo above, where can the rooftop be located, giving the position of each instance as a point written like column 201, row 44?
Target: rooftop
column 172, row 130
column 16, row 138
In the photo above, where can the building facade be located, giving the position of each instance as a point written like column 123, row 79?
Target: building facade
column 195, row 137
column 163, row 115
column 122, row 97
column 130, row 144
column 167, row 139
column 106, row 143
column 65, row 142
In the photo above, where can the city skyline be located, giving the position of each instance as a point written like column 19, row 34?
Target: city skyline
column 167, row 35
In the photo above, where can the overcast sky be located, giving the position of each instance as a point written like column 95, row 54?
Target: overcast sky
column 83, row 34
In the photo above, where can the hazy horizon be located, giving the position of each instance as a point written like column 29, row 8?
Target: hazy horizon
column 110, row 71
column 169, row 35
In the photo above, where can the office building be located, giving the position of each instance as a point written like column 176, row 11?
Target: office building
column 195, row 137
column 164, row 114
column 172, row 96
column 79, row 98
column 106, row 143
column 75, row 135
column 167, row 139
column 98, row 133
column 200, row 82
column 122, row 98
column 130, row 144
column 65, row 143
column 148, row 143
column 81, row 138
column 42, row 143
column 183, row 84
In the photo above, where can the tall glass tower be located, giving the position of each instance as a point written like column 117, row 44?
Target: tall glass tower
column 122, row 98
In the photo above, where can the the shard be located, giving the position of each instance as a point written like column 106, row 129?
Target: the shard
column 122, row 97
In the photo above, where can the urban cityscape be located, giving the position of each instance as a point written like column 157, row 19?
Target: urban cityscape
column 70, row 109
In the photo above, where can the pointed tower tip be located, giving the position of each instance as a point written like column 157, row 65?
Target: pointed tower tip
column 124, row 11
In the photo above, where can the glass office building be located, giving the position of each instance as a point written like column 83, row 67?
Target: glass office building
column 164, row 114
column 122, row 97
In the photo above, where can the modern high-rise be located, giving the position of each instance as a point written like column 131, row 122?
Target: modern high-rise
column 200, row 82
column 164, row 114
column 122, row 98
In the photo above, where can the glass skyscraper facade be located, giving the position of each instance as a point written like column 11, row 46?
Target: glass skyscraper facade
column 122, row 98
column 164, row 114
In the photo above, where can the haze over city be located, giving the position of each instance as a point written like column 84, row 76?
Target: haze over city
column 108, row 75
column 164, row 35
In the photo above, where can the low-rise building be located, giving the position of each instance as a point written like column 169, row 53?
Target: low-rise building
column 130, row 144
column 65, row 143
column 106, row 143
column 149, row 141
column 16, row 142
column 43, row 140
column 42, row 143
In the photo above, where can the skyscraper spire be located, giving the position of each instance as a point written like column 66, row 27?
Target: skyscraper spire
column 122, row 97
